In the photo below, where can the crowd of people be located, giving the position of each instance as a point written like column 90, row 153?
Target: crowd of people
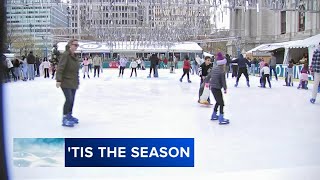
column 211, row 70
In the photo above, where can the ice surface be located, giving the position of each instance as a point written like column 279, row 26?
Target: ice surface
column 273, row 134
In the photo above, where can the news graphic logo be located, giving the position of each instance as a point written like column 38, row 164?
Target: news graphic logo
column 38, row 152
column 129, row 152
column 103, row 152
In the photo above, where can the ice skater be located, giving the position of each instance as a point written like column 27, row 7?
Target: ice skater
column 315, row 69
column 46, row 66
column 85, row 67
column 123, row 63
column 217, row 80
column 154, row 61
column 289, row 74
column 204, row 70
column 67, row 78
column 265, row 75
column 304, row 77
column 242, row 69
column 133, row 66
column 186, row 69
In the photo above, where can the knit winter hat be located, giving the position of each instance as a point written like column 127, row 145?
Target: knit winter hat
column 220, row 59
column 219, row 56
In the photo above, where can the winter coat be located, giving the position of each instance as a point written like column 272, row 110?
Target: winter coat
column 242, row 62
column 46, row 64
column 31, row 59
column 204, row 69
column 273, row 61
column 315, row 64
column 186, row 64
column 123, row 62
column 85, row 62
column 97, row 61
column 154, row 60
column 217, row 78
column 68, row 71
column 133, row 64
column 265, row 70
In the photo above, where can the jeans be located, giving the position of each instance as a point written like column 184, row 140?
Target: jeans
column 96, row 68
column 273, row 68
column 69, row 94
column 315, row 85
column 31, row 71
column 253, row 69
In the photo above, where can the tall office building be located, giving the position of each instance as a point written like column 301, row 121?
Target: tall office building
column 34, row 20
column 136, row 19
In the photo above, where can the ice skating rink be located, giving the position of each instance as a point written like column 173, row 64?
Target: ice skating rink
column 273, row 133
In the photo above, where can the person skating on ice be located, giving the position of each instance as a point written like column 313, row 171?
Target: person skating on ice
column 315, row 70
column 122, row 62
column 242, row 69
column 264, row 73
column 304, row 77
column 85, row 67
column 204, row 70
column 217, row 81
column 133, row 66
column 289, row 74
column 186, row 69
column 97, row 61
column 67, row 77
column 154, row 61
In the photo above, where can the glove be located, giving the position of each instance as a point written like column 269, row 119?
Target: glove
column 225, row 91
column 58, row 84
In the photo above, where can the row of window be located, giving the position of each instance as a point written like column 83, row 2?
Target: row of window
column 301, row 22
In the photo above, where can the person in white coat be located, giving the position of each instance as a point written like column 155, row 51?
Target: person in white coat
column 265, row 75
column 46, row 66
column 133, row 66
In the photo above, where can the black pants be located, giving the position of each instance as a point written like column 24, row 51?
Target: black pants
column 265, row 77
column 121, row 70
column 139, row 66
column 185, row 72
column 69, row 94
column 243, row 71
column 53, row 72
column 135, row 71
column 96, row 68
column 234, row 70
column 38, row 69
column 217, row 94
column 154, row 69
column 46, row 72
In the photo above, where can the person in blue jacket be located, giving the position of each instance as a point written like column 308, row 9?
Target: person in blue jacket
column 242, row 68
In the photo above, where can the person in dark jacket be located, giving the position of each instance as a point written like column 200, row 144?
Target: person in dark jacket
column 154, row 61
column 242, row 65
column 186, row 69
column 204, row 70
column 217, row 81
column 31, row 60
column 67, row 77
column 37, row 65
column 228, row 58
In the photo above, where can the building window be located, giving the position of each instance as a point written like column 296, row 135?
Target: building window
column 283, row 22
column 302, row 18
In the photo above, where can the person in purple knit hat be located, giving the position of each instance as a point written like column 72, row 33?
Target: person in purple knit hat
column 217, row 80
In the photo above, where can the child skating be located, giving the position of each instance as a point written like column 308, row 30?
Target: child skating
column 217, row 80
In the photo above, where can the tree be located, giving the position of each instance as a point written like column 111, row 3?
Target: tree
column 21, row 43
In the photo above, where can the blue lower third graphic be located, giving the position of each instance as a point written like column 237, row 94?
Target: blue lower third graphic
column 129, row 152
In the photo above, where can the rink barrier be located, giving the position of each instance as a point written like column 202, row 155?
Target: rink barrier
column 115, row 64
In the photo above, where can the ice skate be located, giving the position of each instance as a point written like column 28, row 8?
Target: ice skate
column 73, row 119
column 312, row 100
column 214, row 116
column 67, row 122
column 222, row 120
column 236, row 85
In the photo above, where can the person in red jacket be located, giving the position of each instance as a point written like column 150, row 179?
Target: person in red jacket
column 186, row 69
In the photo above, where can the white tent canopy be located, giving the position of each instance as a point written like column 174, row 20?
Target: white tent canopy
column 310, row 43
column 207, row 54
column 133, row 46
